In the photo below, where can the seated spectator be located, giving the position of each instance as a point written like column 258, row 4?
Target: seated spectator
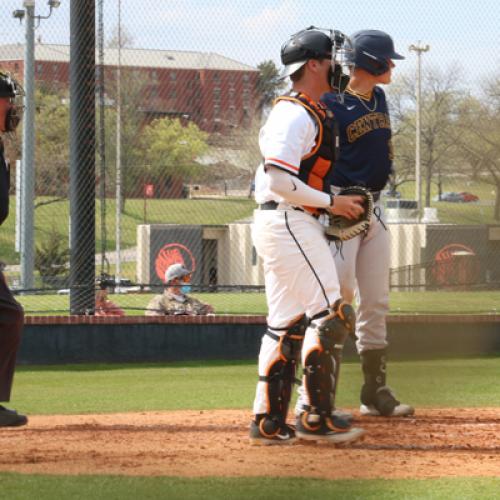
column 174, row 299
column 104, row 306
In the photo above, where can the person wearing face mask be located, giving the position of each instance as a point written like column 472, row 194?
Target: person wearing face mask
column 175, row 299
column 11, row 312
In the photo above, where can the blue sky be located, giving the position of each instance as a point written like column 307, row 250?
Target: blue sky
column 253, row 30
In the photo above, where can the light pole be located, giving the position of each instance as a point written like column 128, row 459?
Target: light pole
column 418, row 193
column 26, row 224
column 118, row 212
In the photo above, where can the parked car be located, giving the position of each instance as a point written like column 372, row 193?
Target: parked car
column 392, row 194
column 451, row 196
column 468, row 197
column 462, row 197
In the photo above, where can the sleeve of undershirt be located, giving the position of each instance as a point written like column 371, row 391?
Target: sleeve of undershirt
column 294, row 191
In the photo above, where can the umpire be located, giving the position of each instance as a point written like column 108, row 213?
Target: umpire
column 11, row 312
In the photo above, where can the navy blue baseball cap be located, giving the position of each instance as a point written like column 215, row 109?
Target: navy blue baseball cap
column 370, row 50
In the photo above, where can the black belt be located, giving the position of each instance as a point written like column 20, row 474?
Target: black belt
column 273, row 205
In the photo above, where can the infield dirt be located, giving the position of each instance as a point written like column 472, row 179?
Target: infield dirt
column 433, row 443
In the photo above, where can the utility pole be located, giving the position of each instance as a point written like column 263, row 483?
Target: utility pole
column 418, row 192
column 28, row 153
column 118, row 152
column 26, row 191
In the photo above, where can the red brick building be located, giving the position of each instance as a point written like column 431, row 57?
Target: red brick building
column 215, row 92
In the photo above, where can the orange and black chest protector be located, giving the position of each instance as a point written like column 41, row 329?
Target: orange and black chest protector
column 316, row 167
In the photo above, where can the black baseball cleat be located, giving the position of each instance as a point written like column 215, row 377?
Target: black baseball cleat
column 266, row 431
column 10, row 418
column 385, row 404
column 333, row 429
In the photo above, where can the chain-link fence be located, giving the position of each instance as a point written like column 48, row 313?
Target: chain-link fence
column 167, row 133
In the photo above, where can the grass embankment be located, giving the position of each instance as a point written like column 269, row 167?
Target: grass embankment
column 55, row 217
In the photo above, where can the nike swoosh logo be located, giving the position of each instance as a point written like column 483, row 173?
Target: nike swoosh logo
column 350, row 108
column 294, row 186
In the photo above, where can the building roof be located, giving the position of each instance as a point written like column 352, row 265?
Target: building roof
column 145, row 58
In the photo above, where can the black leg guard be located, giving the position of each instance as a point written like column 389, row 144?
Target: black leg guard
column 322, row 367
column 281, row 375
column 319, row 368
column 347, row 327
column 374, row 391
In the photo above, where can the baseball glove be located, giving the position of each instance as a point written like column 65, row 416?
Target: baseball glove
column 340, row 228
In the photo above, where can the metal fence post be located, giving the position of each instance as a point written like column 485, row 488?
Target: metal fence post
column 82, row 156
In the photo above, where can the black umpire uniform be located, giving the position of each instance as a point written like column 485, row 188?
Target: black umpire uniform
column 11, row 312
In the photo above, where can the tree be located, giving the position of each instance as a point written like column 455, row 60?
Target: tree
column 171, row 148
column 133, row 92
column 52, row 258
column 52, row 144
column 403, row 135
column 126, row 38
column 439, row 107
column 479, row 139
column 269, row 85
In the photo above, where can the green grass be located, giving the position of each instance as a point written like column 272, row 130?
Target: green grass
column 197, row 211
column 445, row 302
column 207, row 385
column 255, row 303
column 18, row 486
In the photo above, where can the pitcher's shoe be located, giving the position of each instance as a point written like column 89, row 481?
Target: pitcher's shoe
column 312, row 427
column 401, row 410
column 385, row 404
column 265, row 431
column 10, row 418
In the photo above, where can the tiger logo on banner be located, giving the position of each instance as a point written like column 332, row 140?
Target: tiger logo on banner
column 173, row 253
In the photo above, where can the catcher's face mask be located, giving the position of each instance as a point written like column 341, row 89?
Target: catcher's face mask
column 338, row 46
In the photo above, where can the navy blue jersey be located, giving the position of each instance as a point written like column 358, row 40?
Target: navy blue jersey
column 365, row 140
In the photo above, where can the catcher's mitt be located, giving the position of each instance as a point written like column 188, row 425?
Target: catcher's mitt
column 340, row 228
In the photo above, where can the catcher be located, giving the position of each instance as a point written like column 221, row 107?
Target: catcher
column 307, row 321
column 365, row 159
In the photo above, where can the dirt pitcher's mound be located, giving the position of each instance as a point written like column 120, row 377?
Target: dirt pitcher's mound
column 434, row 443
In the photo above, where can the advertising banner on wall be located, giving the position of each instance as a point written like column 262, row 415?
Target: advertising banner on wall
column 460, row 256
column 175, row 244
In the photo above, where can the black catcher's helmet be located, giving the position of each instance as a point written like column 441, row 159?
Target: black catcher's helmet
column 304, row 45
column 371, row 50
